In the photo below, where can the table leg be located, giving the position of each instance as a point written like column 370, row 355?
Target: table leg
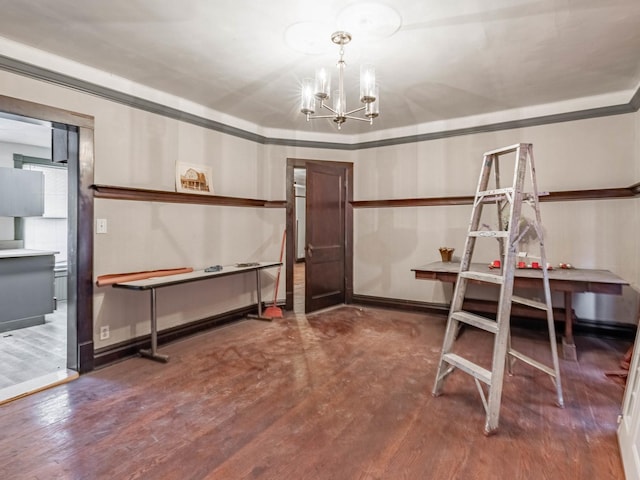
column 259, row 297
column 568, row 346
column 153, row 352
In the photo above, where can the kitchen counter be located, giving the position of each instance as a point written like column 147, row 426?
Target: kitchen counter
column 26, row 287
column 24, row 252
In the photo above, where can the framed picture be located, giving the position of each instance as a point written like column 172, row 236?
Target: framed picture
column 193, row 178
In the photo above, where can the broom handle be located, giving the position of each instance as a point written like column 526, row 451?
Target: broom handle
column 275, row 295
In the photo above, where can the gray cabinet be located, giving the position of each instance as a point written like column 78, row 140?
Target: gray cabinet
column 26, row 287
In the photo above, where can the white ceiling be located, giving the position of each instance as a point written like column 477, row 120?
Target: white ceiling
column 449, row 59
column 25, row 131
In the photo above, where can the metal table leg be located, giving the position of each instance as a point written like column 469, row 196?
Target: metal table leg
column 259, row 296
column 153, row 353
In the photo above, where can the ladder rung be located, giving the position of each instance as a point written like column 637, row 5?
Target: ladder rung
column 471, row 368
column 497, row 191
column 529, row 302
column 476, row 320
column 489, row 233
column 496, row 198
column 534, row 363
column 483, row 277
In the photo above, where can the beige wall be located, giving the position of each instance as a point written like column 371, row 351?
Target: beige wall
column 594, row 153
column 134, row 148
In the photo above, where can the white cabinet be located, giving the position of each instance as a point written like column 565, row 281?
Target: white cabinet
column 629, row 429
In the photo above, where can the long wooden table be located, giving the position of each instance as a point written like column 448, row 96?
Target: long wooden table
column 152, row 284
column 568, row 281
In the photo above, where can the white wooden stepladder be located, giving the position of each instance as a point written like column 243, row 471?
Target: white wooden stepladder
column 508, row 234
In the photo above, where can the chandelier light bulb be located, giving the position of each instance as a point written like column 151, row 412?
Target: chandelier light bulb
column 367, row 83
column 373, row 107
column 323, row 84
column 308, row 102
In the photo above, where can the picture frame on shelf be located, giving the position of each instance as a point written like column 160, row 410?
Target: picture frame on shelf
column 194, row 178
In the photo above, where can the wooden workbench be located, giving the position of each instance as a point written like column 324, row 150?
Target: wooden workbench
column 568, row 281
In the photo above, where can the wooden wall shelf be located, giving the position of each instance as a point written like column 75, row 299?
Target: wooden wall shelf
column 139, row 194
column 562, row 196
column 144, row 195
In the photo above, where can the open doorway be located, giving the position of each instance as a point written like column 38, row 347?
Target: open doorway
column 33, row 257
column 65, row 274
column 319, row 259
column 33, row 343
column 300, row 194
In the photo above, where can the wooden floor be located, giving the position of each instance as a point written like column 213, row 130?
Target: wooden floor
column 340, row 394
column 298, row 287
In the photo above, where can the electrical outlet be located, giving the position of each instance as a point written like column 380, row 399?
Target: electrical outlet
column 104, row 332
column 101, row 225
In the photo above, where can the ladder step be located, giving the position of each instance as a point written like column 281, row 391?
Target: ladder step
column 476, row 320
column 529, row 302
column 496, row 191
column 489, row 233
column 471, row 368
column 483, row 277
column 534, row 363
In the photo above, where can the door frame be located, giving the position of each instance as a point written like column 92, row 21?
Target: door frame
column 80, row 279
column 290, row 256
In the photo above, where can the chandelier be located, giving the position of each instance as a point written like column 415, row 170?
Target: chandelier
column 320, row 90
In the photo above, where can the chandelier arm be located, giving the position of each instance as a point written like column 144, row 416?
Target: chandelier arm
column 322, row 104
column 354, row 111
column 358, row 118
column 313, row 117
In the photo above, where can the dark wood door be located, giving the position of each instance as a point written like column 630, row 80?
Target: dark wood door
column 325, row 236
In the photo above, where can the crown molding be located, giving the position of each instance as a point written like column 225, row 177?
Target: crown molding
column 200, row 116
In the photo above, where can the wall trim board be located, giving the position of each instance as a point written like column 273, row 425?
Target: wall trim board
column 145, row 195
column 522, row 316
column 33, row 71
column 561, row 196
column 39, row 73
column 500, row 126
column 438, row 309
column 105, row 356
